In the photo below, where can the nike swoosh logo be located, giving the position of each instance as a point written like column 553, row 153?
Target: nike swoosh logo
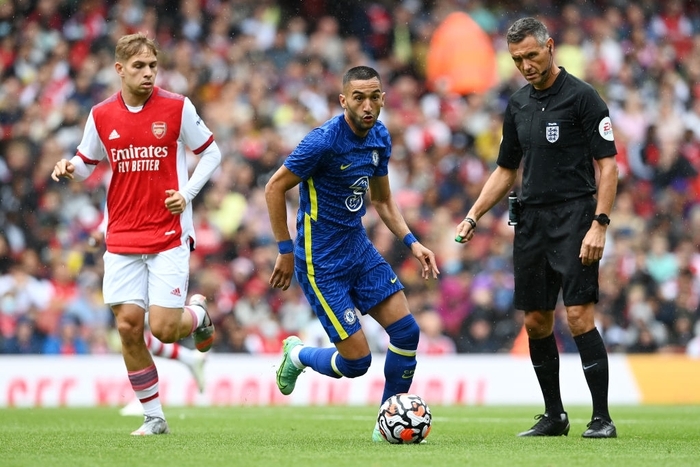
column 589, row 366
column 394, row 280
column 408, row 374
column 345, row 166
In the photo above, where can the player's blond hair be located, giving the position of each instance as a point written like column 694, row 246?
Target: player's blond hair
column 132, row 44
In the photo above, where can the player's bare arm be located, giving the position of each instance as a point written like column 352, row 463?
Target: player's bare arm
column 496, row 187
column 383, row 202
column 275, row 196
column 593, row 243
column 607, row 184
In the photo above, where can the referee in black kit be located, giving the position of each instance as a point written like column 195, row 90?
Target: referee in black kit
column 558, row 126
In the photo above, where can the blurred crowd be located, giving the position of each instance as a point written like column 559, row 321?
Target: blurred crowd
column 262, row 74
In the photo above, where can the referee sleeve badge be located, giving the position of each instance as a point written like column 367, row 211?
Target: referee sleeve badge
column 605, row 129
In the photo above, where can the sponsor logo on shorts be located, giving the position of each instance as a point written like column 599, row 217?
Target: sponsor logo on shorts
column 345, row 166
column 176, row 292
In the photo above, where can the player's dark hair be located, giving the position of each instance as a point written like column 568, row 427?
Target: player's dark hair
column 525, row 27
column 360, row 73
column 132, row 44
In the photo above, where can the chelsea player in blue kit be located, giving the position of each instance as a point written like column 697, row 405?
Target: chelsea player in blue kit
column 334, row 261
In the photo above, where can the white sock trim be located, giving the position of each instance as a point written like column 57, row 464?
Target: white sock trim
column 199, row 314
column 294, row 356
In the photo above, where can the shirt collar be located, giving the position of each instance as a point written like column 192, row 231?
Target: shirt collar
column 554, row 88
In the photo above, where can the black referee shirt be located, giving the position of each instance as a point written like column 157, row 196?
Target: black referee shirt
column 557, row 132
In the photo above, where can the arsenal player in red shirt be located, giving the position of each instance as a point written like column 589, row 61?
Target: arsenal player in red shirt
column 142, row 131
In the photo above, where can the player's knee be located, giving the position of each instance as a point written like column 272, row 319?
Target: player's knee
column 130, row 331
column 404, row 333
column 539, row 324
column 354, row 368
column 166, row 334
column 165, row 331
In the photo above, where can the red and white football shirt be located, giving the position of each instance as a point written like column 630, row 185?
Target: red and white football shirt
column 146, row 150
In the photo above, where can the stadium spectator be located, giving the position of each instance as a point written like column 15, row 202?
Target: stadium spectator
column 25, row 339
column 644, row 342
column 230, row 336
column 87, row 305
column 476, row 334
column 641, row 312
column 21, row 294
column 5, row 255
column 433, row 340
column 66, row 339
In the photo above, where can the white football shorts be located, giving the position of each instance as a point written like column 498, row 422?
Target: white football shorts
column 158, row 279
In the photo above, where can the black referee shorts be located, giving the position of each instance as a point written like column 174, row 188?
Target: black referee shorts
column 546, row 256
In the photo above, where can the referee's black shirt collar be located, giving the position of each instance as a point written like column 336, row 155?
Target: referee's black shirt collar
column 554, row 88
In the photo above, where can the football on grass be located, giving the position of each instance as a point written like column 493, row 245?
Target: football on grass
column 404, row 419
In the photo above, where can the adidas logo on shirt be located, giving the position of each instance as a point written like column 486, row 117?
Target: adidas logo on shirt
column 113, row 135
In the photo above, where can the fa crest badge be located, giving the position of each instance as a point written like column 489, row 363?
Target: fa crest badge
column 159, row 129
column 552, row 132
column 375, row 157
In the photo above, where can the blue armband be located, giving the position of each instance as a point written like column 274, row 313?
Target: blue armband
column 409, row 240
column 285, row 246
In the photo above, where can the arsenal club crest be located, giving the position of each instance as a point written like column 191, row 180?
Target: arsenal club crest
column 159, row 129
column 552, row 132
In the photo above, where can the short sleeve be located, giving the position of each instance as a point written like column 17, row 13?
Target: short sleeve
column 193, row 132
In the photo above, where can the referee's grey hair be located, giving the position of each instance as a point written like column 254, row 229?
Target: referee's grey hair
column 525, row 27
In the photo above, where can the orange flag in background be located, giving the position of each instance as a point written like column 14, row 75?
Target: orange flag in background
column 461, row 58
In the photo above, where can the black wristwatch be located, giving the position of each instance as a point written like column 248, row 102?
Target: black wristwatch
column 602, row 219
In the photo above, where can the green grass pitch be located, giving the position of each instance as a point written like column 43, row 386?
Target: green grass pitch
column 340, row 436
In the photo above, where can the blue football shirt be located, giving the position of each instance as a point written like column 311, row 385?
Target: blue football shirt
column 335, row 166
